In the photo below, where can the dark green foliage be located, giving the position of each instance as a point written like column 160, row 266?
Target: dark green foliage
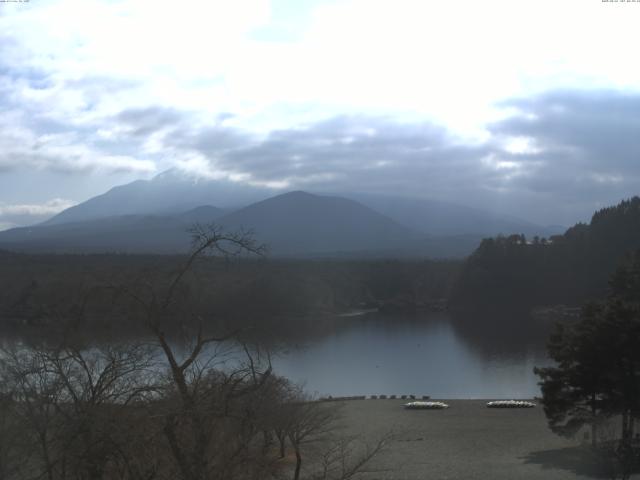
column 565, row 269
column 597, row 372
column 574, row 391
column 275, row 296
column 625, row 282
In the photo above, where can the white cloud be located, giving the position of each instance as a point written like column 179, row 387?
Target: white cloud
column 7, row 225
column 51, row 207
column 68, row 68
column 21, row 147
column 521, row 145
column 447, row 61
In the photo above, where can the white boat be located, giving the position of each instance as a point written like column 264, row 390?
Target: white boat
column 510, row 404
column 425, row 405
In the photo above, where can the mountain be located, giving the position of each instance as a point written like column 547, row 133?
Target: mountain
column 292, row 224
column 120, row 233
column 439, row 218
column 168, row 193
column 203, row 214
column 173, row 192
column 124, row 233
column 299, row 222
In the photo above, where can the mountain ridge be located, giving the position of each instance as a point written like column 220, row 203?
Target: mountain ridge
column 294, row 223
column 299, row 221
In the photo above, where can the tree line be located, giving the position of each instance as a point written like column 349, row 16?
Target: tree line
column 273, row 296
column 517, row 272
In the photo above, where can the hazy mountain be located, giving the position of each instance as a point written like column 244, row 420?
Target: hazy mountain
column 153, row 215
column 173, row 193
column 120, row 233
column 295, row 223
column 299, row 222
column 442, row 218
column 124, row 233
column 169, row 193
column 203, row 214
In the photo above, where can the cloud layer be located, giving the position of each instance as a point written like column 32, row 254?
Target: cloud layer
column 558, row 157
column 465, row 102
column 12, row 215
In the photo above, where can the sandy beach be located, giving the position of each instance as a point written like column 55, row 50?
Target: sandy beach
column 466, row 441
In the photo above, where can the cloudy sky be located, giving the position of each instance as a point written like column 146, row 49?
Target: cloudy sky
column 526, row 107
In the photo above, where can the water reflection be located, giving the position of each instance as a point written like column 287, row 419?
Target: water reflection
column 438, row 354
column 434, row 355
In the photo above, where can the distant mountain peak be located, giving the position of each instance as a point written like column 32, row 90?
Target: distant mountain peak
column 292, row 224
column 168, row 193
column 299, row 195
column 294, row 193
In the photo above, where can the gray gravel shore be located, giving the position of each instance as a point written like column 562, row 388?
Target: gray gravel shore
column 466, row 441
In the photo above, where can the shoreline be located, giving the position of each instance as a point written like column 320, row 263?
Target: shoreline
column 409, row 398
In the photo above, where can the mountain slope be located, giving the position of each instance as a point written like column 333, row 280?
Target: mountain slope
column 295, row 224
column 166, row 194
column 203, row 214
column 299, row 222
column 122, row 234
column 172, row 192
column 443, row 218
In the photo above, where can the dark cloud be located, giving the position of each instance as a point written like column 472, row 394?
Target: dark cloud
column 49, row 121
column 588, row 146
column 345, row 152
column 142, row 122
column 32, row 136
column 599, row 129
column 584, row 152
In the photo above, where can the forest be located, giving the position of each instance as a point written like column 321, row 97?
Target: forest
column 296, row 297
column 37, row 291
column 513, row 272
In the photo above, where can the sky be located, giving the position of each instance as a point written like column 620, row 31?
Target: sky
column 529, row 108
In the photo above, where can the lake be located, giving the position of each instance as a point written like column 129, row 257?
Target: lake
column 435, row 354
column 428, row 354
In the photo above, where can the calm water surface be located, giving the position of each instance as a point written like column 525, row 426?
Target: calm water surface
column 375, row 354
column 431, row 354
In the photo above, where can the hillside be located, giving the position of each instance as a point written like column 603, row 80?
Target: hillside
column 168, row 193
column 447, row 219
column 299, row 222
column 564, row 269
column 293, row 224
column 122, row 234
column 173, row 192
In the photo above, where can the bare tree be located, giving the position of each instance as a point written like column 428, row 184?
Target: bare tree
column 309, row 421
column 198, row 407
column 10, row 435
column 345, row 458
column 335, row 456
column 192, row 403
column 70, row 401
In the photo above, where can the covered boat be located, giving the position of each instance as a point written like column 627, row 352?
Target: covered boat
column 510, row 404
column 425, row 405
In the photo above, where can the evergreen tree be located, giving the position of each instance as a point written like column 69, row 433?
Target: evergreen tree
column 597, row 372
column 574, row 391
